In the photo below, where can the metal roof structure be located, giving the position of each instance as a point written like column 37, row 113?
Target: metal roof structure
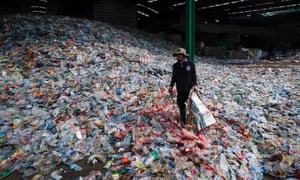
column 252, row 12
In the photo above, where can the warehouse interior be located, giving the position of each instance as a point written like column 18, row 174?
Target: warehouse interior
column 264, row 24
column 85, row 90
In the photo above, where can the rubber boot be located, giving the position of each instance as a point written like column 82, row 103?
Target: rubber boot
column 183, row 116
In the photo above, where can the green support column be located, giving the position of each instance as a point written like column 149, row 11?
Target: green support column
column 190, row 28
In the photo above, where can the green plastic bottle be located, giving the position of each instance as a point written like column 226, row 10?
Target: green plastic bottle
column 154, row 156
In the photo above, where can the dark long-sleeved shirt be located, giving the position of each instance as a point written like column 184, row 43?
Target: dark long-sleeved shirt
column 184, row 76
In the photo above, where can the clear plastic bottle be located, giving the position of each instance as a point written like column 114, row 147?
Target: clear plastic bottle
column 153, row 156
column 126, row 141
column 107, row 175
column 74, row 167
column 56, row 174
column 106, row 145
column 164, row 151
column 29, row 172
column 224, row 167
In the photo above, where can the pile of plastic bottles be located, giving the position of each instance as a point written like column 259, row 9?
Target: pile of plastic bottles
column 74, row 89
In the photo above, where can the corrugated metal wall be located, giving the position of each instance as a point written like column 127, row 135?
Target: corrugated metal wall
column 117, row 12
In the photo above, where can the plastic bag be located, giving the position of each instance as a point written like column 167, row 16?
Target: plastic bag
column 201, row 113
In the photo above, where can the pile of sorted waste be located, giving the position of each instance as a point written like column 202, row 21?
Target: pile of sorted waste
column 74, row 89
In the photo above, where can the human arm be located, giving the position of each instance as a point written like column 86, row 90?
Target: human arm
column 194, row 78
column 194, row 75
column 172, row 83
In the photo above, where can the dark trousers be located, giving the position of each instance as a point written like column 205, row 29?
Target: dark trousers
column 181, row 99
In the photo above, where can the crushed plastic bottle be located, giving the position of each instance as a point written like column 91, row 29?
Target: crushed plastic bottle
column 152, row 157
column 57, row 174
column 74, row 167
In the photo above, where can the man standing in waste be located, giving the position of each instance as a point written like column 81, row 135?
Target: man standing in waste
column 184, row 76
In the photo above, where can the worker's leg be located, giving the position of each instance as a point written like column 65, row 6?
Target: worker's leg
column 181, row 99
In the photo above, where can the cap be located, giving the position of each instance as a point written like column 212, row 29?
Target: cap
column 180, row 51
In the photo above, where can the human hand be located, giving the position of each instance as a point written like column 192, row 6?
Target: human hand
column 195, row 89
column 171, row 91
